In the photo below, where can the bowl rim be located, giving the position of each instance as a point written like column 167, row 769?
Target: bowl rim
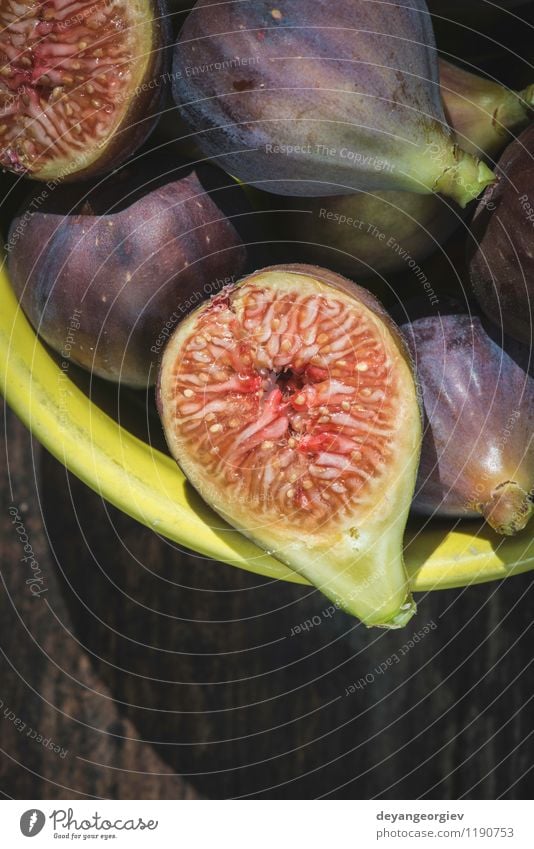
column 147, row 484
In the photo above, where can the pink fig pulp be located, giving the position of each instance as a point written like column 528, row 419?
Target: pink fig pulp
column 81, row 83
column 289, row 403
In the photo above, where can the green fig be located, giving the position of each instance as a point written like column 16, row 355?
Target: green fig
column 485, row 115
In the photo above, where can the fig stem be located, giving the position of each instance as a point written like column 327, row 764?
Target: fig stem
column 509, row 508
column 407, row 610
column 464, row 179
column 368, row 582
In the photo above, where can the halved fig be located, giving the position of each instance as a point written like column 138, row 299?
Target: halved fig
column 478, row 395
column 80, row 83
column 289, row 403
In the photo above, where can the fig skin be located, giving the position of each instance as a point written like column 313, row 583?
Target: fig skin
column 478, row 451
column 355, row 559
column 367, row 234
column 500, row 255
column 122, row 261
column 364, row 234
column 136, row 124
column 485, row 115
column 330, row 99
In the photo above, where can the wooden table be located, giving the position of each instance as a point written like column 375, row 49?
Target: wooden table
column 158, row 673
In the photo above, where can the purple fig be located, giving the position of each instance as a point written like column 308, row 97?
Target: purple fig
column 478, row 448
column 104, row 271
column 500, row 254
column 321, row 98
column 81, row 83
column 367, row 233
column 383, row 232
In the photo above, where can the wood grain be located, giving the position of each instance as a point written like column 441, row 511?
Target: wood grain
column 168, row 675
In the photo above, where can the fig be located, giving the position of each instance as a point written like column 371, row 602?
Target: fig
column 478, row 450
column 105, row 270
column 81, row 83
column 500, row 256
column 382, row 232
column 289, row 402
column 367, row 233
column 485, row 115
column 321, row 98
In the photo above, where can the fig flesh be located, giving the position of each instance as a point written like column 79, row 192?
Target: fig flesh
column 500, row 255
column 81, row 83
column 289, row 403
column 478, row 447
column 321, row 98
column 105, row 270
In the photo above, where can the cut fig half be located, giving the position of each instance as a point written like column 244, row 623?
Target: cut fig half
column 289, row 403
column 80, row 83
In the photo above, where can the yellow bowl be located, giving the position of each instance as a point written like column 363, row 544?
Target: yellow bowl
column 146, row 483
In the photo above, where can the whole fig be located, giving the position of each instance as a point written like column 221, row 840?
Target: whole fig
column 478, row 445
column 104, row 271
column 500, row 252
column 81, row 83
column 369, row 233
column 321, row 98
column 289, row 403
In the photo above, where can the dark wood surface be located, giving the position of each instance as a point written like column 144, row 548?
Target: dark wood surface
column 163, row 674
